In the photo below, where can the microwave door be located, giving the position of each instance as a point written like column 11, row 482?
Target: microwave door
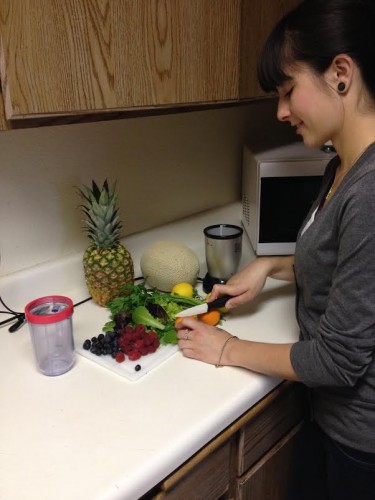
column 284, row 204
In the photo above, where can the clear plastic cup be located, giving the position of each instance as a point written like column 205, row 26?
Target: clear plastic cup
column 51, row 331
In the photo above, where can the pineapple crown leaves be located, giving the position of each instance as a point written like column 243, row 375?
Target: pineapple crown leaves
column 102, row 222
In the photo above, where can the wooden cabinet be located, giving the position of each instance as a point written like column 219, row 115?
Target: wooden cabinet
column 205, row 477
column 257, row 20
column 77, row 60
column 249, row 460
column 268, row 422
column 267, row 479
column 82, row 56
column 3, row 122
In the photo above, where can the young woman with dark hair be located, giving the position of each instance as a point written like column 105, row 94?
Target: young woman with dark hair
column 320, row 59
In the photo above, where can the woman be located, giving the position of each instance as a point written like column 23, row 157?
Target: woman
column 321, row 61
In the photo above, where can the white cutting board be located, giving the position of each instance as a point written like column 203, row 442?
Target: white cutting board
column 88, row 321
column 127, row 368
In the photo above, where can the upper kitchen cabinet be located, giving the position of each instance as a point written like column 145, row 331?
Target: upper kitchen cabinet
column 3, row 122
column 73, row 57
column 257, row 20
column 63, row 61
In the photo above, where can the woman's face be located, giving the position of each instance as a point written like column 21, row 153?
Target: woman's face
column 307, row 102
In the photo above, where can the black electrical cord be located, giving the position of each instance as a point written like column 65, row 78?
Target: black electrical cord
column 20, row 318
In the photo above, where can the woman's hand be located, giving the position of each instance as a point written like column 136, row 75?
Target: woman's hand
column 243, row 286
column 249, row 282
column 208, row 343
column 203, row 342
column 200, row 341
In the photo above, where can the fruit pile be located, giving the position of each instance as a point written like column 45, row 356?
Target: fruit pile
column 132, row 342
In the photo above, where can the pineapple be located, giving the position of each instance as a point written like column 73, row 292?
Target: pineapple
column 107, row 264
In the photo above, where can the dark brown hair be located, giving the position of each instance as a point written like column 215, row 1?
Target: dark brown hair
column 314, row 33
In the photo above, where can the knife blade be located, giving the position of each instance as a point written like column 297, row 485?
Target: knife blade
column 203, row 308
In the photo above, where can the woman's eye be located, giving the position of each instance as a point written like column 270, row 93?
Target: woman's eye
column 287, row 94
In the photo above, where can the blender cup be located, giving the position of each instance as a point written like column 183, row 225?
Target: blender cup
column 50, row 326
column 223, row 245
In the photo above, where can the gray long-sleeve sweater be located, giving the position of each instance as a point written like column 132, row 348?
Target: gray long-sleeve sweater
column 335, row 306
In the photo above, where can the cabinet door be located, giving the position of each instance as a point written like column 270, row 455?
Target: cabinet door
column 3, row 122
column 258, row 19
column 283, row 409
column 268, row 479
column 204, row 477
column 61, row 57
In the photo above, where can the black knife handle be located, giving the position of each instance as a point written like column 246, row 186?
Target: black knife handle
column 217, row 303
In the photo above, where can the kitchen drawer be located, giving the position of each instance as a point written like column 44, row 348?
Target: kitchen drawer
column 271, row 420
column 206, row 476
column 268, row 478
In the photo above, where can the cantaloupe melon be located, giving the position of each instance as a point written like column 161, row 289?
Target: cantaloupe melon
column 166, row 263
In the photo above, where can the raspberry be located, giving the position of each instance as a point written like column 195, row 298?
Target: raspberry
column 130, row 341
column 153, row 335
column 134, row 355
column 120, row 357
column 138, row 344
column 127, row 330
column 148, row 340
column 144, row 350
column 140, row 329
column 121, row 342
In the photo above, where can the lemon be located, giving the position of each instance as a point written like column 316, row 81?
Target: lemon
column 184, row 289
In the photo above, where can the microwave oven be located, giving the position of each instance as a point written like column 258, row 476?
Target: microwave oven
column 278, row 188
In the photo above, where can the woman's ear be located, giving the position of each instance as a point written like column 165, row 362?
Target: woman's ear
column 341, row 72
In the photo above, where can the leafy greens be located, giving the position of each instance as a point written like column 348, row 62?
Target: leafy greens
column 137, row 301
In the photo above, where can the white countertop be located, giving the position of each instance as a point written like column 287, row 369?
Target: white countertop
column 92, row 434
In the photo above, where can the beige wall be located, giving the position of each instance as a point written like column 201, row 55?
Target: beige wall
column 167, row 167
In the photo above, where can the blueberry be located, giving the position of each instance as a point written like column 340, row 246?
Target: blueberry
column 101, row 337
column 87, row 344
column 137, row 368
column 94, row 340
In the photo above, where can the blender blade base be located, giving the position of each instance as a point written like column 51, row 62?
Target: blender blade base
column 209, row 282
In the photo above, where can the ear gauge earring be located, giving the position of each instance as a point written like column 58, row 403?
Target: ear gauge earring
column 341, row 87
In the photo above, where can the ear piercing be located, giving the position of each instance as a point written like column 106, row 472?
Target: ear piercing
column 341, row 87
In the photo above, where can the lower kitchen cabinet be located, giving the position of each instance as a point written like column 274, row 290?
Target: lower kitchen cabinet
column 205, row 477
column 249, row 460
column 267, row 479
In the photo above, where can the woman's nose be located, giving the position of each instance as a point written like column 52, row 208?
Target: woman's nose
column 283, row 112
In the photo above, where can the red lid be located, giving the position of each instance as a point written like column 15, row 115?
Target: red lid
column 57, row 308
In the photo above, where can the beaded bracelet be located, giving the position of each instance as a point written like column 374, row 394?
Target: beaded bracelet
column 218, row 364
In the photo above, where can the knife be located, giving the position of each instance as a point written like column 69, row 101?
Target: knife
column 203, row 308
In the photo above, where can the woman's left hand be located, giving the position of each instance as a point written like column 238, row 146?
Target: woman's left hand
column 200, row 341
